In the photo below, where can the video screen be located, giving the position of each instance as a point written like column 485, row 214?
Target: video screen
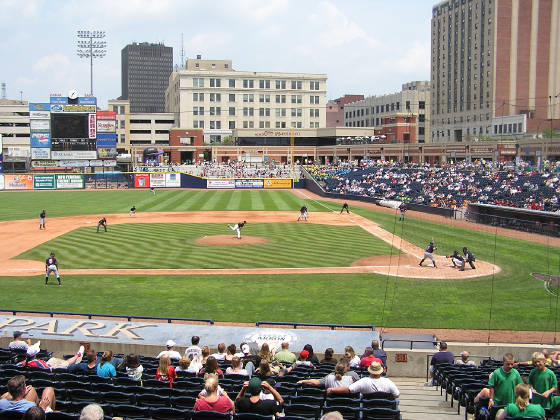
column 69, row 126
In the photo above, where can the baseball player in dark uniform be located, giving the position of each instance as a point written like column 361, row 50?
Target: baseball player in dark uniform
column 457, row 260
column 402, row 208
column 302, row 214
column 469, row 257
column 42, row 220
column 344, row 207
column 132, row 211
column 102, row 222
column 51, row 265
column 428, row 254
column 237, row 228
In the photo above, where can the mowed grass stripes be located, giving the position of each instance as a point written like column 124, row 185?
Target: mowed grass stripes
column 173, row 245
column 28, row 204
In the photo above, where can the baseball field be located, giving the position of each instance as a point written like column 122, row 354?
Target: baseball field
column 178, row 258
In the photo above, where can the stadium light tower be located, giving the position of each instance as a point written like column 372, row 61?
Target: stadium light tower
column 91, row 45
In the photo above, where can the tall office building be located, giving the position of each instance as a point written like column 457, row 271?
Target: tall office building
column 495, row 68
column 145, row 76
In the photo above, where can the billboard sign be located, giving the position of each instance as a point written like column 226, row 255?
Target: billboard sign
column 74, row 163
column 109, row 163
column 106, row 115
column 87, row 100
column 59, row 100
column 107, row 136
column 76, row 154
column 69, row 181
column 40, row 125
column 106, row 126
column 249, row 183
column 40, row 140
column 44, row 182
column 40, row 153
column 1, row 182
column 141, row 180
column 273, row 183
column 172, row 180
column 89, row 109
column 107, row 152
column 106, row 143
column 44, row 164
column 157, row 180
column 39, row 107
column 18, row 182
column 39, row 115
column 92, row 126
column 220, row 183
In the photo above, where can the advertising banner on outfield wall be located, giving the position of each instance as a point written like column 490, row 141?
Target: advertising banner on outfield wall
column 39, row 125
column 277, row 183
column 220, row 183
column 106, row 115
column 44, row 182
column 106, row 126
column 76, row 154
column 40, row 107
column 157, row 180
column 69, row 181
column 141, row 180
column 40, row 153
column 18, row 182
column 249, row 183
column 40, row 140
column 107, row 152
column 39, row 115
column 172, row 180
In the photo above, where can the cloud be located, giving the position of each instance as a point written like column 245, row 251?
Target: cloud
column 414, row 59
column 54, row 62
column 261, row 11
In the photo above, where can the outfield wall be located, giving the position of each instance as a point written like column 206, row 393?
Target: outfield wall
column 140, row 180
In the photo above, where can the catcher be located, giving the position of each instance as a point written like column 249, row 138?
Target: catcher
column 457, row 260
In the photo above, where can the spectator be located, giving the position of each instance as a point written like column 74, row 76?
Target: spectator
column 184, row 364
column 134, row 369
column 250, row 361
column 265, row 353
column 21, row 397
column 285, row 355
column 212, row 401
column 265, row 370
column 253, row 402
column 105, row 368
column 92, row 412
column 221, row 354
column 211, row 366
column 464, row 360
column 170, row 351
column 375, row 383
column 379, row 353
column 241, row 354
column 332, row 415
column 231, row 350
column 196, row 365
column 205, row 353
column 236, row 368
column 369, row 358
column 543, row 381
column 90, row 366
column 442, row 356
column 193, row 350
column 353, row 358
column 521, row 408
column 31, row 358
column 502, row 383
column 312, row 358
column 341, row 377
column 18, row 342
column 302, row 361
column 329, row 359
column 165, row 372
column 34, row 413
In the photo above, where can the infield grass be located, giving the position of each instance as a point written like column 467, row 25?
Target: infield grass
column 511, row 299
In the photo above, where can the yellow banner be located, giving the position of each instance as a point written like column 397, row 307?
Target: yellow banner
column 278, row 183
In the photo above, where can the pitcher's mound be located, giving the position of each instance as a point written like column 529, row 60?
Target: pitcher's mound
column 230, row 240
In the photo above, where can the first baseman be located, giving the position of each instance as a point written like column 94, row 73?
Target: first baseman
column 52, row 266
column 237, row 228
column 428, row 253
column 42, row 220
column 302, row 213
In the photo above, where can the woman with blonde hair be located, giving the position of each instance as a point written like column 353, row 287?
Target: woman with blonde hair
column 340, row 377
column 184, row 364
column 522, row 408
column 236, row 368
column 353, row 358
column 211, row 399
column 265, row 353
column 165, row 372
column 205, row 354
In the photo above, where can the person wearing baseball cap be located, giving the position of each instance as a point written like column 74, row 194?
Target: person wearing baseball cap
column 31, row 358
column 374, row 383
column 253, row 403
column 19, row 343
column 173, row 354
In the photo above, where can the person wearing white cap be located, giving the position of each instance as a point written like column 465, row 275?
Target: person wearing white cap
column 173, row 354
column 53, row 363
column 374, row 383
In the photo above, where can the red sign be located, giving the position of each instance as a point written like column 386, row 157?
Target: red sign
column 106, row 115
column 92, row 127
column 141, row 180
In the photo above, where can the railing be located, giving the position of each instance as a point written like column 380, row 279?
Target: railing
column 433, row 342
column 91, row 316
column 295, row 325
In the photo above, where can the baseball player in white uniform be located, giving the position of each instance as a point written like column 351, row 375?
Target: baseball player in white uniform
column 52, row 266
column 237, row 228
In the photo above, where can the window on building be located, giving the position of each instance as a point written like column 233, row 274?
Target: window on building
column 121, row 123
column 232, row 97
column 421, row 105
column 231, row 125
column 231, row 111
column 407, row 105
column 201, row 110
column 232, row 83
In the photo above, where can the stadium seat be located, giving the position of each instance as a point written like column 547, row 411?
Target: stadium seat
column 209, row 415
column 10, row 415
column 131, row 411
column 303, row 410
column 251, row 416
column 168, row 413
column 348, row 413
column 183, row 403
column 59, row 415
column 380, row 413
column 153, row 400
column 79, row 395
column 117, row 398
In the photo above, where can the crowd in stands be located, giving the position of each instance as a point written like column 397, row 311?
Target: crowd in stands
column 449, row 186
column 230, row 383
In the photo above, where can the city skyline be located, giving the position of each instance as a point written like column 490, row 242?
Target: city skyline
column 364, row 47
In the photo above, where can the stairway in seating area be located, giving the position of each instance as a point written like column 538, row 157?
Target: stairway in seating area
column 419, row 402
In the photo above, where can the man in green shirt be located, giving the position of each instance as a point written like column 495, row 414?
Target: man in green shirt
column 543, row 382
column 285, row 355
column 501, row 385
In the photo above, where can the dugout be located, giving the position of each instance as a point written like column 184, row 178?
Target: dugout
column 526, row 220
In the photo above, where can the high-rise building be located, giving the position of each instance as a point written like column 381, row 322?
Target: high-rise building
column 210, row 95
column 495, row 68
column 400, row 116
column 145, row 76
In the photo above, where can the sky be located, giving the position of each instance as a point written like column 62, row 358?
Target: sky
column 368, row 47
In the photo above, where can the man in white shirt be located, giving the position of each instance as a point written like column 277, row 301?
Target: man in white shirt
column 173, row 354
column 375, row 383
column 19, row 343
column 193, row 351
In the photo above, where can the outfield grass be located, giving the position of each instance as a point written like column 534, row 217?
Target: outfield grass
column 511, row 299
column 173, row 245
